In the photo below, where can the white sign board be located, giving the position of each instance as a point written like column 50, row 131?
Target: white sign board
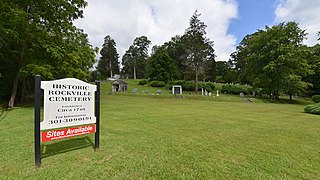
column 67, row 102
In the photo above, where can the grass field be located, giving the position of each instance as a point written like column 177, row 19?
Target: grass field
column 162, row 137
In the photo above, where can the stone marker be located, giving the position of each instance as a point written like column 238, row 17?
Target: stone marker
column 218, row 93
column 135, row 90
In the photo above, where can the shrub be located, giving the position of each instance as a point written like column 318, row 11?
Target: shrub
column 188, row 86
column 142, row 82
column 211, row 85
column 233, row 89
column 313, row 109
column 157, row 83
column 316, row 98
column 208, row 88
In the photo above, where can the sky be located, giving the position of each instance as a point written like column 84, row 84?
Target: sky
column 228, row 21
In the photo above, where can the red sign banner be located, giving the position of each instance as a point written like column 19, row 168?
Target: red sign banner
column 68, row 132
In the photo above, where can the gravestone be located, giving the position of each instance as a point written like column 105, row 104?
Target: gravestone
column 176, row 89
column 158, row 91
column 209, row 93
column 218, row 93
column 135, row 90
column 241, row 95
column 147, row 91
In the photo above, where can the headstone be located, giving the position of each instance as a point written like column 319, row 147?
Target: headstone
column 158, row 91
column 205, row 92
column 135, row 90
column 254, row 94
column 202, row 91
column 241, row 94
column 209, row 93
column 218, row 93
column 147, row 91
column 176, row 89
column 142, row 91
column 116, row 76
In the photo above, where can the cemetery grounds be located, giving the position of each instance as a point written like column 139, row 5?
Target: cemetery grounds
column 145, row 136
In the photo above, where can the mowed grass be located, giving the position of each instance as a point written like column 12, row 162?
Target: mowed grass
column 151, row 137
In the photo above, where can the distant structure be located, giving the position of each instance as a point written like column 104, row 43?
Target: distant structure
column 119, row 86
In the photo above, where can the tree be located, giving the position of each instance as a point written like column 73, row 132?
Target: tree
column 198, row 47
column 224, row 72
column 314, row 61
column 176, row 49
column 161, row 66
column 108, row 63
column 134, row 60
column 275, row 59
column 38, row 37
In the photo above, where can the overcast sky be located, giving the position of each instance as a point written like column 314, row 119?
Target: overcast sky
column 228, row 21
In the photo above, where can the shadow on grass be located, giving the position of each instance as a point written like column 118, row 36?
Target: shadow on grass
column 65, row 146
column 282, row 101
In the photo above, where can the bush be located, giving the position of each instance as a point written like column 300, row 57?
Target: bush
column 188, row 86
column 157, row 83
column 233, row 89
column 313, row 109
column 142, row 82
column 316, row 98
column 211, row 85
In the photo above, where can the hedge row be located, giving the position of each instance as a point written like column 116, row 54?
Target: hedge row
column 233, row 89
column 143, row 82
column 190, row 86
column 313, row 109
column 316, row 98
column 157, row 83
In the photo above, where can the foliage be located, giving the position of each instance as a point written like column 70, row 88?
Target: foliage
column 38, row 37
column 157, row 83
column 313, row 109
column 161, row 66
column 134, row 60
column 211, row 85
column 316, row 98
column 176, row 49
column 274, row 59
column 233, row 89
column 108, row 65
column 199, row 49
column 224, row 73
column 143, row 82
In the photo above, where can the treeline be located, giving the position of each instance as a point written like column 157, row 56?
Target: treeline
column 187, row 57
column 274, row 61
column 40, row 38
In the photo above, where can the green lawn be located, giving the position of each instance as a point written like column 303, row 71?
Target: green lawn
column 162, row 137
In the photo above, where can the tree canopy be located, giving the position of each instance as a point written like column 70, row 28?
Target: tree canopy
column 108, row 63
column 134, row 60
column 274, row 59
column 38, row 37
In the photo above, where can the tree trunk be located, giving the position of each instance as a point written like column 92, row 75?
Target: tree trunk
column 16, row 79
column 196, row 81
column 111, row 75
column 290, row 97
column 134, row 72
column 14, row 90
